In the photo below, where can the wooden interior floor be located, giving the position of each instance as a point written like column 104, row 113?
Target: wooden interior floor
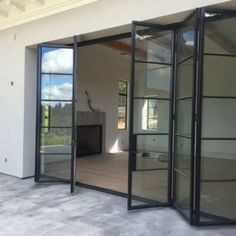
column 107, row 170
column 110, row 171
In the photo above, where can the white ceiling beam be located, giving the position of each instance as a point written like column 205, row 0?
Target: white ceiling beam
column 3, row 13
column 19, row 5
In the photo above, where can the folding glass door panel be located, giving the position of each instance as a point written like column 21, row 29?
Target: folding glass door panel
column 151, row 77
column 217, row 137
column 184, row 118
column 55, row 113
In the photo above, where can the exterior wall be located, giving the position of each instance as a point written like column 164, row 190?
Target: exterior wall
column 18, row 102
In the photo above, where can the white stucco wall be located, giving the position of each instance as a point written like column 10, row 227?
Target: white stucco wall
column 18, row 106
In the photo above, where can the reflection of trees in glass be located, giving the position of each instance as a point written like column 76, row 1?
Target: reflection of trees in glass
column 56, row 114
column 60, row 136
column 59, row 115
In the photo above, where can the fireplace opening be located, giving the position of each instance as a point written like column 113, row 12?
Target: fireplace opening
column 89, row 140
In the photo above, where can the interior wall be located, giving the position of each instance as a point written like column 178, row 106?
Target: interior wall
column 100, row 69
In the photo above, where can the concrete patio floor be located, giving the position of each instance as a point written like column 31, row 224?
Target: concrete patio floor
column 29, row 209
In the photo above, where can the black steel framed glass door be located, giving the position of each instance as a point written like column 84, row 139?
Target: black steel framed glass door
column 56, row 114
column 216, row 131
column 149, row 179
column 184, row 109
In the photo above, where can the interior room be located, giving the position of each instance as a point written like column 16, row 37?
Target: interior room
column 102, row 114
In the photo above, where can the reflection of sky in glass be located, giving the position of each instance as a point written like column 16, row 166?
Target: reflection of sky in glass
column 57, row 60
column 189, row 38
column 57, row 87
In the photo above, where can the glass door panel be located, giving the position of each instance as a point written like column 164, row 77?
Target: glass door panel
column 184, row 122
column 149, row 156
column 55, row 121
column 217, row 152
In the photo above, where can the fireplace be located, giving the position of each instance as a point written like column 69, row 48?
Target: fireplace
column 89, row 140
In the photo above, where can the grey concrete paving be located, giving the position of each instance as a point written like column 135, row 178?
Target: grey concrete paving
column 47, row 210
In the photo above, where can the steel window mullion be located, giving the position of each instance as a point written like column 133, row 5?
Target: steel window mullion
column 218, row 97
column 54, row 153
column 38, row 114
column 56, row 127
column 151, row 98
column 131, row 117
column 199, row 81
column 151, row 169
column 154, row 62
column 74, row 119
column 193, row 120
column 171, row 116
column 217, row 180
column 56, row 74
column 219, row 54
column 157, row 134
column 55, row 100
column 218, row 138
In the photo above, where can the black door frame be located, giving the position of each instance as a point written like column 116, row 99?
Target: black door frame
column 201, row 20
column 132, row 136
column 197, row 116
column 194, row 16
column 195, row 166
column 38, row 175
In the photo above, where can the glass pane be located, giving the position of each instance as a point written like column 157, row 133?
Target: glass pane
column 141, row 116
column 185, row 78
column 219, row 37
column 149, row 187
column 56, row 114
column 57, row 87
column 218, row 199
column 183, row 155
column 184, row 117
column 55, row 140
column 104, row 171
column 123, row 87
column 122, row 101
column 152, row 151
column 182, row 194
column 218, row 159
column 153, row 45
column 57, row 60
column 219, row 76
column 152, row 80
column 121, row 123
column 186, row 40
column 218, row 117
column 121, row 112
column 57, row 166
